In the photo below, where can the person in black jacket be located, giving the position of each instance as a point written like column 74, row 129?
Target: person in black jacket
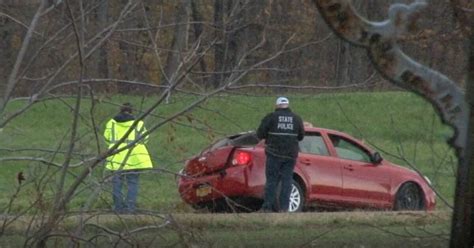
column 282, row 130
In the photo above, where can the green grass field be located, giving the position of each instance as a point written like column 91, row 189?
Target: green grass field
column 398, row 124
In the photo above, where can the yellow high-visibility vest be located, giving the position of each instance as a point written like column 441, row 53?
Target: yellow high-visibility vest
column 133, row 158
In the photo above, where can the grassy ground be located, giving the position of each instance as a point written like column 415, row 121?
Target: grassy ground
column 396, row 123
column 342, row 229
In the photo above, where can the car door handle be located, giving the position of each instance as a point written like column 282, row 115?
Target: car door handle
column 305, row 161
column 348, row 167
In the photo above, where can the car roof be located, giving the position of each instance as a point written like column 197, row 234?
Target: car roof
column 307, row 129
column 323, row 130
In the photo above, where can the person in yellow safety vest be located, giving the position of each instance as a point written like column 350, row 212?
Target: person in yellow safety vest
column 127, row 163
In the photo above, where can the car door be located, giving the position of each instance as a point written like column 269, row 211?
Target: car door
column 365, row 184
column 323, row 172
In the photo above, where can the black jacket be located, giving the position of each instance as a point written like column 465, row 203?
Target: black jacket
column 124, row 117
column 281, row 130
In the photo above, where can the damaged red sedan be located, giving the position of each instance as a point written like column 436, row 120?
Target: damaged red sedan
column 333, row 171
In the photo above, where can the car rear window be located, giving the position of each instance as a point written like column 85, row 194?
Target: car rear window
column 248, row 139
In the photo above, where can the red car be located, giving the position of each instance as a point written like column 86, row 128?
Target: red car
column 333, row 171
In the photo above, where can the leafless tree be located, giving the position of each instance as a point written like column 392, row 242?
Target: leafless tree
column 381, row 40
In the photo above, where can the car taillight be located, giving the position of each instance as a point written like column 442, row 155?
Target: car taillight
column 242, row 158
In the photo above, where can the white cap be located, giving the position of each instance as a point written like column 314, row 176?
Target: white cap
column 282, row 100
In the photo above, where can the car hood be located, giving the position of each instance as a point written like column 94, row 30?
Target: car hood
column 402, row 170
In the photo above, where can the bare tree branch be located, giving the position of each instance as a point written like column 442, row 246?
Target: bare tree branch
column 19, row 22
column 103, row 36
column 12, row 79
column 381, row 41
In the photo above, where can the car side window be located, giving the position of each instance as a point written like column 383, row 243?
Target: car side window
column 347, row 149
column 313, row 143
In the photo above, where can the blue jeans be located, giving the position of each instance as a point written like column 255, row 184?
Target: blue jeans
column 278, row 170
column 130, row 177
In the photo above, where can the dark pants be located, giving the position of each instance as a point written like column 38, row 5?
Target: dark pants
column 130, row 177
column 278, row 170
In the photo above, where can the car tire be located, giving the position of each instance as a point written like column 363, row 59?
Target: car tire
column 409, row 197
column 296, row 198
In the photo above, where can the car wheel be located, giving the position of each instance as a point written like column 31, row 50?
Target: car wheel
column 409, row 197
column 296, row 198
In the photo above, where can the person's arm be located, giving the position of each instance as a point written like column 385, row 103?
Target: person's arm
column 108, row 132
column 262, row 130
column 141, row 130
column 300, row 129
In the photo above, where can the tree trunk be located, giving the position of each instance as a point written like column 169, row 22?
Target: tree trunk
column 102, row 62
column 231, row 35
column 7, row 30
column 219, row 47
column 462, row 233
column 198, row 30
column 179, row 42
column 344, row 64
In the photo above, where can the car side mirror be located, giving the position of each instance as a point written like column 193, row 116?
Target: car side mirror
column 376, row 158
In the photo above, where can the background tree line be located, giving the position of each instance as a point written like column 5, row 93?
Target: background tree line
column 149, row 46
